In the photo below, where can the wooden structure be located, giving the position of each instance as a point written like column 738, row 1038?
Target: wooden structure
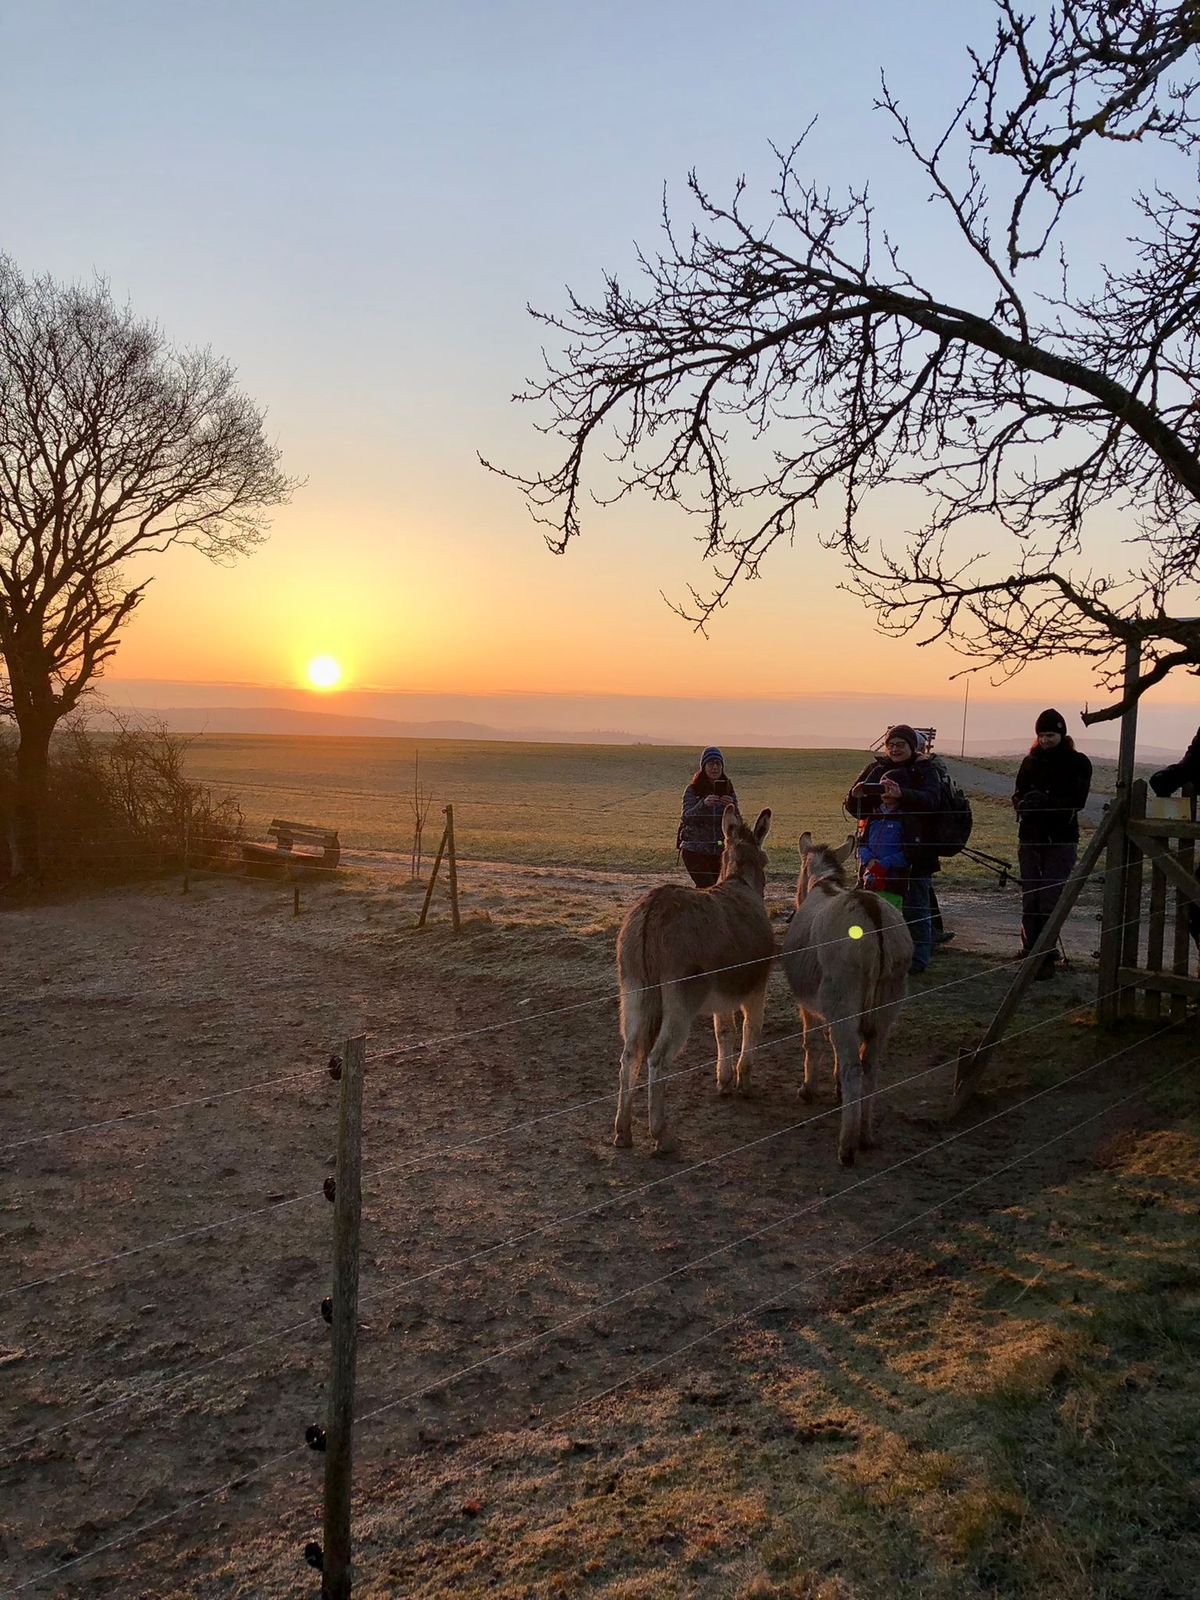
column 446, row 849
column 1146, row 964
column 1150, row 887
column 318, row 847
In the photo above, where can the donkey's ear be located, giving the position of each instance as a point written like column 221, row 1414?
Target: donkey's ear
column 806, row 843
column 763, row 826
column 844, row 851
column 729, row 821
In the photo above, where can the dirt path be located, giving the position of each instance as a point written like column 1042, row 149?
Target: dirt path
column 498, row 1217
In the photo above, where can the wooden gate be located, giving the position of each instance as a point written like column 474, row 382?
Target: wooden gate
column 1146, row 949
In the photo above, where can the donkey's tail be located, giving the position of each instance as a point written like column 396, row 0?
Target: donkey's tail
column 641, row 993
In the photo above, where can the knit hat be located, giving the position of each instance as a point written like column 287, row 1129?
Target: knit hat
column 903, row 731
column 713, row 754
column 1051, row 722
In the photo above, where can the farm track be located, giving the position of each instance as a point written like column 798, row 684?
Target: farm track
column 134, row 998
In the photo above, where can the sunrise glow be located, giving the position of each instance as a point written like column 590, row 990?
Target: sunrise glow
column 324, row 672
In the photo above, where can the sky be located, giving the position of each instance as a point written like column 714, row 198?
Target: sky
column 354, row 205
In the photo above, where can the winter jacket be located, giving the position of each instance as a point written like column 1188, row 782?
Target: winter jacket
column 1050, row 788
column 1185, row 770
column 920, row 794
column 884, row 841
column 700, row 828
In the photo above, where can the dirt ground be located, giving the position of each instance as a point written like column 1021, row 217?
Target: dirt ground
column 160, row 1338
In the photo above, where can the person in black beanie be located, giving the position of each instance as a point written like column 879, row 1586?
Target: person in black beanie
column 700, row 839
column 1052, row 784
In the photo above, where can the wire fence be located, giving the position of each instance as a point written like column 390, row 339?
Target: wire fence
column 162, row 1388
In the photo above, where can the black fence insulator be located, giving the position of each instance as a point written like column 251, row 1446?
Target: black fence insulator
column 330, row 1187
column 314, row 1436
column 327, row 1309
column 335, row 1067
column 314, row 1555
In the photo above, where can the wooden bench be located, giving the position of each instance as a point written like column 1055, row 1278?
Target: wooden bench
column 320, row 848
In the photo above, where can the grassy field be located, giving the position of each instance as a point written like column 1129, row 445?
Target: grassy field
column 611, row 806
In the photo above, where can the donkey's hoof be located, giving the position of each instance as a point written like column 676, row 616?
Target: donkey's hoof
column 724, row 1085
column 663, row 1148
column 805, row 1093
column 623, row 1141
column 846, row 1157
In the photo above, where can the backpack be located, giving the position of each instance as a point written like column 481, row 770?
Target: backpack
column 952, row 820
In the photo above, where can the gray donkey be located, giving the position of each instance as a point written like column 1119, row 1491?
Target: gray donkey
column 846, row 954
column 682, row 951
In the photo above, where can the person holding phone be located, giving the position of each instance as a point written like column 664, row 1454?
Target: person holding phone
column 893, row 798
column 700, row 840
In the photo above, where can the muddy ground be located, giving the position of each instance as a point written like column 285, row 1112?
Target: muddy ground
column 160, row 1338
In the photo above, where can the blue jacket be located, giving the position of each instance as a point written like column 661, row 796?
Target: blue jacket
column 700, row 827
column 884, row 841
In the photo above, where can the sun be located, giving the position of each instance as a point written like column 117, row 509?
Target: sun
column 324, row 672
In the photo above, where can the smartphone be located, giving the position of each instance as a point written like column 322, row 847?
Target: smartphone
column 871, row 793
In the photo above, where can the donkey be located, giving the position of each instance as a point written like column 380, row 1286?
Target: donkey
column 682, row 951
column 846, row 954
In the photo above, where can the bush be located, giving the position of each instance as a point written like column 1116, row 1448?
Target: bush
column 120, row 803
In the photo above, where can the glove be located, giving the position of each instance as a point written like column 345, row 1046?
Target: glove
column 1034, row 800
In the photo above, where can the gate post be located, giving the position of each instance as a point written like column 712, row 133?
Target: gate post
column 1116, row 905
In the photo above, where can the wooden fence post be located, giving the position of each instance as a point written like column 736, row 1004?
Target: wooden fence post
column 1110, row 1003
column 453, row 863
column 336, row 1570
column 971, row 1064
column 187, row 839
column 437, row 861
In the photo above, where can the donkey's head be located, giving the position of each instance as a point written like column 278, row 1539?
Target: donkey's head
column 821, row 863
column 744, row 856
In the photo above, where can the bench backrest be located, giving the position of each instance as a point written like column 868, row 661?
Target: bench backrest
column 287, row 834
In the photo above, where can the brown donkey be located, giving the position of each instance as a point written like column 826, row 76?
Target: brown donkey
column 846, row 954
column 682, row 951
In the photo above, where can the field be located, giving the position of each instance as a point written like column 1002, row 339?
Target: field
column 605, row 806
column 965, row 1368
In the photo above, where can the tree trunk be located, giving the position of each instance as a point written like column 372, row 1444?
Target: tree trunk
column 29, row 796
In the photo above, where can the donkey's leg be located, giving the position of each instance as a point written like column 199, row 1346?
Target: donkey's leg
column 672, row 1036
column 806, row 1024
column 636, row 1027
column 725, row 1028
column 846, row 1044
column 753, row 1007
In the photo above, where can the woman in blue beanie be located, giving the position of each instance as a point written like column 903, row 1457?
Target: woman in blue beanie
column 705, row 801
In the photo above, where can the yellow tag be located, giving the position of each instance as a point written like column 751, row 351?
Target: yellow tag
column 856, row 932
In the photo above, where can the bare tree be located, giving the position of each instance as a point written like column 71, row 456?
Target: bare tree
column 112, row 445
column 420, row 801
column 1011, row 420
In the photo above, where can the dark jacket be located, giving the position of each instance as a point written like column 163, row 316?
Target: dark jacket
column 700, row 828
column 1185, row 770
column 920, row 794
column 1050, row 788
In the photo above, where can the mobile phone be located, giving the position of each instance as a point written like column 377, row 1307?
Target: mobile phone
column 872, row 793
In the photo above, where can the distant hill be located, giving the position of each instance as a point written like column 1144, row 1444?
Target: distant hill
column 285, row 720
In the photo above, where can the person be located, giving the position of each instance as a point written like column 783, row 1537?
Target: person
column 1185, row 770
column 1052, row 784
column 705, row 801
column 937, row 927
column 1164, row 782
column 897, row 786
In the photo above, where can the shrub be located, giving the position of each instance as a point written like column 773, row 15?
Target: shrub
column 120, row 803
